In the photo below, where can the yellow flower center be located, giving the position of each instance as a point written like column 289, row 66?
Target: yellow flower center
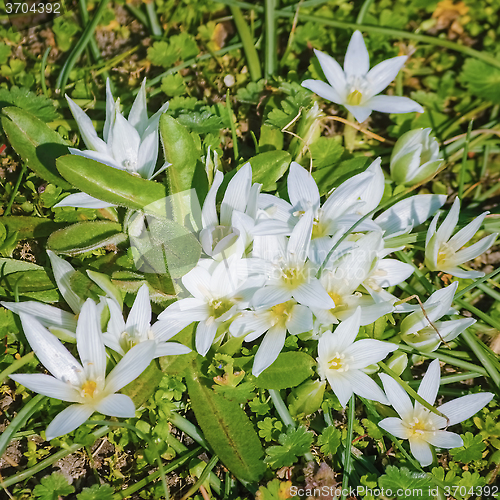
column 318, row 229
column 443, row 254
column 218, row 307
column 281, row 312
column 293, row 277
column 338, row 363
column 88, row 389
column 354, row 98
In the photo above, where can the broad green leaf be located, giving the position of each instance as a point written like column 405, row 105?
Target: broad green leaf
column 289, row 370
column 268, row 167
column 85, row 236
column 53, row 487
column 84, row 287
column 177, row 365
column 37, row 144
column 145, row 385
column 29, row 281
column 31, row 227
column 110, row 184
column 8, row 266
column 481, row 79
column 326, row 151
column 271, row 138
column 226, row 427
column 403, row 483
column 186, row 171
column 293, row 443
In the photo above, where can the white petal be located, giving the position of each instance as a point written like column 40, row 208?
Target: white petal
column 165, row 330
column 302, row 189
column 410, row 212
column 421, row 451
column 105, row 158
column 68, row 420
column 375, row 189
column 466, row 233
column 110, row 111
column 460, row 273
column 365, row 386
column 393, row 104
column 461, row 409
column 82, row 200
column 236, row 195
column 47, row 315
column 333, row 73
column 348, row 330
column 450, row 222
column 147, row 155
column 62, row 273
column 475, row 250
column 384, row 73
column 125, row 142
column 50, row 351
column 275, row 207
column 171, row 349
column 357, row 60
column 249, row 322
column 48, row 386
column 313, row 294
column 87, row 130
column 341, row 386
column 269, row 349
column 139, row 316
column 89, row 342
column 116, row 405
column 430, row 384
column 397, row 396
column 368, row 351
column 444, row 439
column 300, row 239
column 323, row 90
column 300, row 320
column 394, row 426
column 361, row 113
column 209, row 211
column 205, row 335
column 138, row 116
column 130, row 366
column 270, row 296
column 197, row 282
column 185, row 311
column 391, row 272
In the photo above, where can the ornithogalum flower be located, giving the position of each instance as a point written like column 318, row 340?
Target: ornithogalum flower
column 85, row 383
column 274, row 321
column 442, row 251
column 121, row 336
column 341, row 361
column 421, row 427
column 419, row 333
column 128, row 144
column 356, row 86
column 415, row 157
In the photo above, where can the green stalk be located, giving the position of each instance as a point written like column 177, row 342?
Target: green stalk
column 137, row 13
column 450, row 379
column 80, row 47
column 39, row 467
column 155, row 475
column 16, row 189
column 203, row 476
column 19, row 420
column 480, row 314
column 461, row 179
column 362, row 12
column 18, row 363
column 351, row 415
column 270, row 30
column 467, row 289
column 232, row 121
column 190, row 429
column 153, row 18
column 248, row 44
column 43, row 65
column 350, row 134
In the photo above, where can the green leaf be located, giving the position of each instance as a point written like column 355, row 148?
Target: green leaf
column 275, row 490
column 471, row 450
column 330, row 440
column 143, row 387
column 53, row 487
column 270, row 428
column 481, row 79
column 163, row 54
column 84, row 287
column 306, row 398
column 38, row 105
column 405, row 483
column 173, row 85
column 289, row 370
column 295, row 443
column 268, row 167
column 96, row 492
column 8, row 266
column 31, row 227
column 37, row 144
column 325, row 152
column 29, row 281
column 226, row 427
column 85, row 236
column 110, row 184
column 5, row 51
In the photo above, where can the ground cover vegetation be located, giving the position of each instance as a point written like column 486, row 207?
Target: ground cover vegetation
column 248, row 249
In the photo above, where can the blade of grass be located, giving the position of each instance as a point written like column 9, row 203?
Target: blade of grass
column 201, row 479
column 15, row 190
column 362, row 12
column 467, row 289
column 43, row 65
column 18, row 363
column 270, row 38
column 484, row 168
column 184, row 425
column 450, row 379
column 461, row 179
column 351, row 415
column 232, row 121
column 154, row 24
column 248, row 44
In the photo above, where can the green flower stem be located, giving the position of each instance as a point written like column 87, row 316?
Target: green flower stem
column 410, row 391
column 18, row 363
column 483, row 356
column 15, row 190
column 232, row 121
column 155, row 475
column 480, row 314
column 43, row 65
column 39, row 467
column 270, row 30
column 450, row 379
column 19, row 420
column 154, row 24
column 476, row 283
column 80, row 47
column 190, row 429
column 362, row 12
column 350, row 134
column 461, row 179
column 202, row 478
column 248, row 44
column 285, row 416
column 351, row 415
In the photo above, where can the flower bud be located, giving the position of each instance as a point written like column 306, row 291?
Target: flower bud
column 398, row 362
column 415, row 157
